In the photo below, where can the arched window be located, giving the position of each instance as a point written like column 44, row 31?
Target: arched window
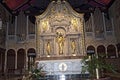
column 11, row 61
column 111, row 51
column 31, row 52
column 90, row 50
column 31, row 57
column 101, row 51
column 21, row 59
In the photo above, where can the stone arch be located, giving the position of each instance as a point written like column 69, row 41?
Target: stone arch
column 11, row 60
column 90, row 50
column 31, row 50
column 101, row 51
column 21, row 58
column 31, row 57
column 63, row 28
column 2, row 59
column 111, row 51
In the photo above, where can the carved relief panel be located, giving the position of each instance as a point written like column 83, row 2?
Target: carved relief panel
column 60, row 30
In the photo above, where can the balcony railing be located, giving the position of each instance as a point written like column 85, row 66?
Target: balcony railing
column 20, row 38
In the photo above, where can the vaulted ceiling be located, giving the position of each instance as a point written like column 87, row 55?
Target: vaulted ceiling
column 35, row 7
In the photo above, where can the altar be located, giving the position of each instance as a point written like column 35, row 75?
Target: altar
column 60, row 40
column 63, row 69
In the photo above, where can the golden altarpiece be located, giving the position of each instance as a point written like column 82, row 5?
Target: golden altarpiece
column 60, row 35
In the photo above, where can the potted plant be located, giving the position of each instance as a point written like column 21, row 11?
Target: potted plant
column 95, row 65
column 37, row 73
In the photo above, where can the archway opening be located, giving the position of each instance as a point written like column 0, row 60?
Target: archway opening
column 101, row 51
column 2, row 59
column 10, row 61
column 21, row 59
column 90, row 50
column 31, row 58
column 111, row 51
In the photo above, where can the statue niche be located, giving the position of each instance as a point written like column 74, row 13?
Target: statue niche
column 73, row 46
column 48, row 48
column 60, row 40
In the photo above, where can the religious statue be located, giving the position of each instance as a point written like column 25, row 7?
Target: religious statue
column 45, row 25
column 48, row 48
column 73, row 46
column 60, row 41
column 75, row 24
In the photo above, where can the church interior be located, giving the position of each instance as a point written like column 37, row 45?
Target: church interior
column 56, row 35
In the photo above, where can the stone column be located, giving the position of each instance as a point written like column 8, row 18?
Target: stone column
column 15, row 59
column 93, row 25
column 5, row 63
column 36, row 39
column 96, row 51
column 104, row 26
column 84, row 32
column 26, row 61
column 15, row 28
column 113, row 31
column 117, row 54
column 106, row 52
column 27, row 32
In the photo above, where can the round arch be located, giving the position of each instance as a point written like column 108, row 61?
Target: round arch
column 21, row 58
column 2, row 59
column 11, row 60
column 31, row 52
column 90, row 50
column 101, row 51
column 31, row 57
column 111, row 51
